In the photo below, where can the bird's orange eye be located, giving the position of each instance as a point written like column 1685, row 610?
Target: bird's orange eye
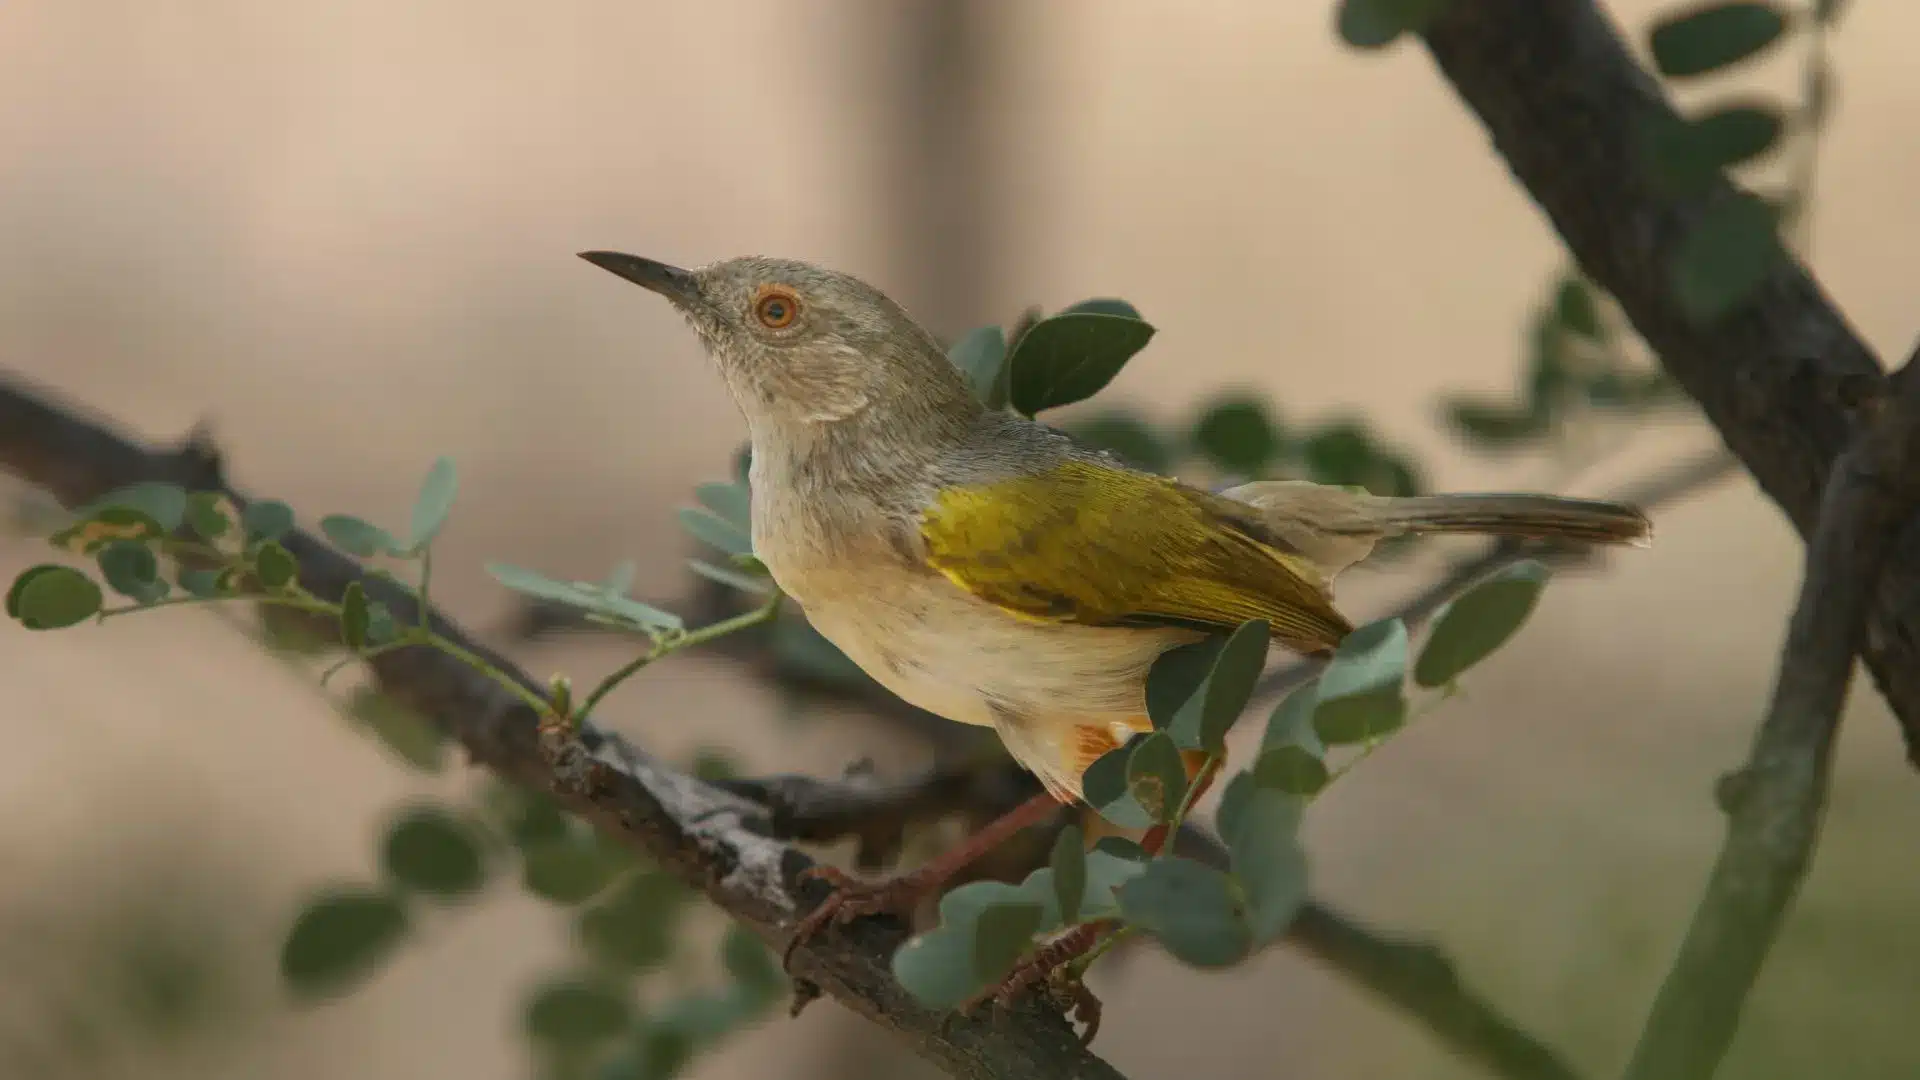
column 776, row 310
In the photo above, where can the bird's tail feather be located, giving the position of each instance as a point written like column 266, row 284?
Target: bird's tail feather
column 1533, row 517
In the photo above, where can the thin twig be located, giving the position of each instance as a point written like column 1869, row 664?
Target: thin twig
column 1777, row 803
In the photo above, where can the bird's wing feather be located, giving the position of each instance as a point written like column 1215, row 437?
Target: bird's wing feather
column 1098, row 544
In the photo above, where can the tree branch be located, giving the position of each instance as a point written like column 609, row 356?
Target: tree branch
column 1777, row 803
column 1566, row 106
column 717, row 842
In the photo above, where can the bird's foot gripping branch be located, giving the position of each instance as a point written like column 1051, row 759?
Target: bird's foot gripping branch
column 157, row 545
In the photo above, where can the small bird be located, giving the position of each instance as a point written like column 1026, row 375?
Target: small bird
column 988, row 568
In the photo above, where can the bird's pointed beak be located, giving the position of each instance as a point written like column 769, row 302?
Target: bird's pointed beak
column 677, row 285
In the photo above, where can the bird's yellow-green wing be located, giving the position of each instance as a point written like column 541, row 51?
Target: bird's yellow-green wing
column 1089, row 543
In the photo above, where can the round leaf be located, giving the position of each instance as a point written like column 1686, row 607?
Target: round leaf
column 937, row 967
column 567, row 871
column 430, row 851
column 132, row 569
column 435, row 501
column 1071, row 357
column 981, row 356
column 576, row 1011
column 339, row 938
column 1477, row 622
column 1373, row 24
column 353, row 616
column 1190, row 907
column 751, row 964
column 267, row 519
column 164, row 504
column 1239, row 436
column 1291, row 769
column 1127, row 437
column 1361, row 691
column 275, row 566
column 1104, row 305
column 1069, row 865
column 1730, row 251
column 1156, row 776
column 357, row 537
column 1268, row 862
column 1706, row 37
column 53, row 597
column 1105, row 788
column 1001, row 935
column 634, row 929
column 206, row 515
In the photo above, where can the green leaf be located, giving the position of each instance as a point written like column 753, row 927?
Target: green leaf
column 102, row 526
column 733, row 579
column 1071, row 357
column 1685, row 157
column 339, row 938
column 381, row 628
column 576, row 1010
column 357, row 537
column 1268, row 861
column 1156, row 776
column 981, row 356
column 1707, row 37
column 587, row 595
column 1729, row 253
column 634, row 929
column 1292, row 758
column 1177, row 682
column 530, row 819
column 1477, row 622
column 53, row 597
column 406, row 734
column 1491, row 424
column 1230, row 684
column 267, row 519
column 430, row 851
column 937, row 967
column 1374, row 24
column 206, row 516
column 567, row 871
column 1103, row 305
column 1119, row 847
column 1576, row 310
column 1362, row 690
column 1127, row 437
column 164, row 504
column 1105, row 789
column 434, row 503
column 732, row 503
column 274, row 566
column 1069, row 865
column 710, row 529
column 1001, row 935
column 751, row 964
column 1107, row 871
column 1239, row 436
column 205, row 583
column 353, row 616
column 1191, row 909
column 1343, row 453
column 1630, row 389
column 132, row 570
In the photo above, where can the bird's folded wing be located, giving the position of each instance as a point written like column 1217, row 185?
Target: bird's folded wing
column 1100, row 545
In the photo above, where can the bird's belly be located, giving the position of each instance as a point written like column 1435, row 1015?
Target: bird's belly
column 964, row 659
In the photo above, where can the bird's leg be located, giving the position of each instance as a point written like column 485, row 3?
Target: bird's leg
column 1052, row 964
column 852, row 898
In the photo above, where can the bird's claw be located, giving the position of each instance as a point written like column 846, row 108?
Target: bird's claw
column 850, row 899
column 1051, row 969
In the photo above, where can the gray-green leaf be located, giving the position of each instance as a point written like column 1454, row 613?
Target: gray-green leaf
column 1477, row 622
column 434, row 503
column 1362, row 690
column 1191, row 909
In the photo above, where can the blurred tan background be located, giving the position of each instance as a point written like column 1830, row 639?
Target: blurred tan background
column 344, row 234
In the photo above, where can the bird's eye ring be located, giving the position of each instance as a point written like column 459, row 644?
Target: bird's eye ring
column 776, row 310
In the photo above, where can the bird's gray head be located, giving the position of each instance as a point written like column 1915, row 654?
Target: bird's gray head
column 801, row 346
